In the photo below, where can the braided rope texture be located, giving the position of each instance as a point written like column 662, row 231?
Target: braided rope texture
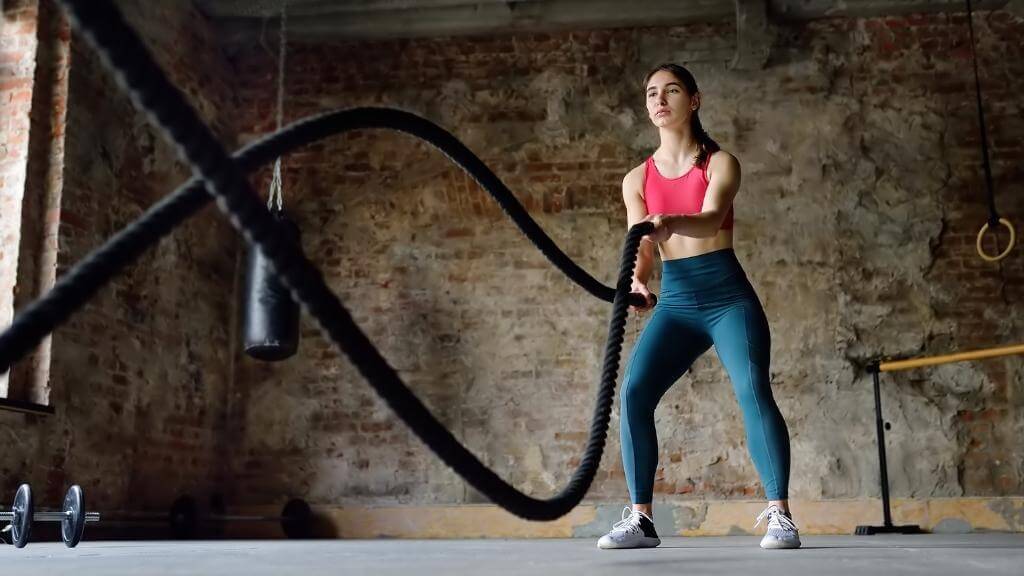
column 222, row 177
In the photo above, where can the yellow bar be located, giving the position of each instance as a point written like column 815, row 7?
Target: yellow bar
column 958, row 357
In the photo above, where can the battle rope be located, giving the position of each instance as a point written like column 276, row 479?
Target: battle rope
column 125, row 55
column 77, row 285
column 993, row 216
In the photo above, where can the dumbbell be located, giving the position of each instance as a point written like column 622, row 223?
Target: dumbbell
column 72, row 518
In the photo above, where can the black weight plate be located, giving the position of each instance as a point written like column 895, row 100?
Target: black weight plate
column 184, row 517
column 297, row 519
column 24, row 510
column 73, row 525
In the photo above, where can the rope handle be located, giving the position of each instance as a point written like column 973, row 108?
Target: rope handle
column 1013, row 239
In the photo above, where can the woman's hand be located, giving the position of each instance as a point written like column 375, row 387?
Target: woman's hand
column 661, row 229
column 641, row 288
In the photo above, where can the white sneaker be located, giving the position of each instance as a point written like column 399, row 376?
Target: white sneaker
column 782, row 531
column 635, row 530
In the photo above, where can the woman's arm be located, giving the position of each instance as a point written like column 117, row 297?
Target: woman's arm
column 636, row 211
column 722, row 188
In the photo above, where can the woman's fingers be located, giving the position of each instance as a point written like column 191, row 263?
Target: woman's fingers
column 647, row 302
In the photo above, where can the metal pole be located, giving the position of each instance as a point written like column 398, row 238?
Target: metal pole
column 909, row 363
column 883, row 468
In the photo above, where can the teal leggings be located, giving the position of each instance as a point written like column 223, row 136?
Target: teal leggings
column 705, row 300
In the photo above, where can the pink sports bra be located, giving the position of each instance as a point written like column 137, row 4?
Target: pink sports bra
column 682, row 195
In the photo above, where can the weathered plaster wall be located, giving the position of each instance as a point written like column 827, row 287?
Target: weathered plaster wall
column 861, row 196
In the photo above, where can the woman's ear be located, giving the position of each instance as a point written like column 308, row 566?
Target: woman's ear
column 695, row 102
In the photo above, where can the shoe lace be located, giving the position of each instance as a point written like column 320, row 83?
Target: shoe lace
column 630, row 523
column 773, row 514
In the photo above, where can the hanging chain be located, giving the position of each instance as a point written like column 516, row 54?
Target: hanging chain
column 276, row 198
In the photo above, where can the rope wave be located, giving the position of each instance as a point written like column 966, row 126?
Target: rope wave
column 221, row 177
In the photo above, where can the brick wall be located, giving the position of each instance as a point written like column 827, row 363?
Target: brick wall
column 37, row 247
column 17, row 65
column 861, row 197
column 140, row 377
column 862, row 194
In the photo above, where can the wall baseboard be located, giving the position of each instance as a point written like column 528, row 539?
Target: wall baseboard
column 673, row 518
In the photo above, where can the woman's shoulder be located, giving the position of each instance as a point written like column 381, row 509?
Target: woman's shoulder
column 722, row 157
column 633, row 183
column 635, row 176
column 721, row 160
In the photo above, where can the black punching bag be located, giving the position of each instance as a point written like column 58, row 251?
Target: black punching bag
column 271, row 326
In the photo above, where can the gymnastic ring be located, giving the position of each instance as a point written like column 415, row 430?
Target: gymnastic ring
column 1004, row 253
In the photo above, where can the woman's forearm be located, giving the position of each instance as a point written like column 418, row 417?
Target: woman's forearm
column 702, row 225
column 644, row 263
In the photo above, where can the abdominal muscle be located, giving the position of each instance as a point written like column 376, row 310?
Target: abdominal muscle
column 678, row 246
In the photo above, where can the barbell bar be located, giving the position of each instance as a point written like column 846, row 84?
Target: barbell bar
column 72, row 518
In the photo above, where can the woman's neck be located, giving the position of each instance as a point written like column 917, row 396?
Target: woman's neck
column 678, row 146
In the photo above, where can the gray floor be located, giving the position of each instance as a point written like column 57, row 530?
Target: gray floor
column 934, row 555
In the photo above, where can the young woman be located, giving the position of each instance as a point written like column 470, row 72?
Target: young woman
column 686, row 189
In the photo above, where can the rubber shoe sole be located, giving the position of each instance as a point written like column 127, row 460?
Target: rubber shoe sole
column 643, row 542
column 771, row 543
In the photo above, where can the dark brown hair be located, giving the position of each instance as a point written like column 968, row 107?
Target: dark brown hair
column 706, row 145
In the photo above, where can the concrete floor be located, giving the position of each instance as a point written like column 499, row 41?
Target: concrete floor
column 934, row 555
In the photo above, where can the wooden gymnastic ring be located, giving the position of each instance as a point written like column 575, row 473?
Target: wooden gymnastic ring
column 1009, row 246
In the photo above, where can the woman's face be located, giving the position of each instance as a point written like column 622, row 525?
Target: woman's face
column 668, row 104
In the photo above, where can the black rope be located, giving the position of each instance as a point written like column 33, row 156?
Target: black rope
column 993, row 215
column 125, row 55
column 72, row 290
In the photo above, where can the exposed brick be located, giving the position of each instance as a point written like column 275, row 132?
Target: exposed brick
column 153, row 347
column 856, row 222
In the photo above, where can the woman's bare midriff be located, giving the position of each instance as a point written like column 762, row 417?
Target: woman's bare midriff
column 687, row 246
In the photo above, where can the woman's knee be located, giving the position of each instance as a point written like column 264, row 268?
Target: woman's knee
column 754, row 391
column 637, row 396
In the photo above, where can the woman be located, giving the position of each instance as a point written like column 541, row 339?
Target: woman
column 686, row 189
